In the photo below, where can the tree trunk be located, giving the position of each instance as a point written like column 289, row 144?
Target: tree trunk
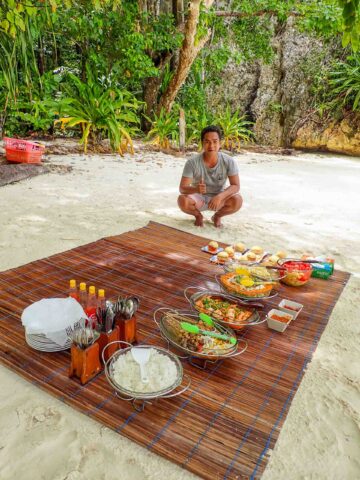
column 152, row 86
column 151, row 91
column 188, row 53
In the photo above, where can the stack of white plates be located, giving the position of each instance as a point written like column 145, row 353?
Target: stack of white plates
column 39, row 341
column 47, row 322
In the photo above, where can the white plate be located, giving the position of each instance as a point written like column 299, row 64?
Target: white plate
column 206, row 250
column 46, row 347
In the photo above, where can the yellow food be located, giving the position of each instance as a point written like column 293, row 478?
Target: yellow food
column 222, row 257
column 273, row 259
column 213, row 246
column 281, row 254
column 247, row 282
column 250, row 256
column 231, row 282
column 229, row 251
column 242, row 271
column 257, row 250
column 240, row 247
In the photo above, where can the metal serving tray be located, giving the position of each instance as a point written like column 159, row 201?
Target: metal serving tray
column 198, row 293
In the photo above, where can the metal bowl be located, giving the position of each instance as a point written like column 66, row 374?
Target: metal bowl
column 256, row 270
column 160, row 317
column 133, row 395
column 254, row 319
column 233, row 263
column 231, row 293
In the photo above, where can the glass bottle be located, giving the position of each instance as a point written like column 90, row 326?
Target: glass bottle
column 83, row 295
column 91, row 306
column 101, row 298
column 73, row 292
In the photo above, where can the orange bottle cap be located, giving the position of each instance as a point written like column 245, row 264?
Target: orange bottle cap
column 101, row 292
column 72, row 283
column 92, row 290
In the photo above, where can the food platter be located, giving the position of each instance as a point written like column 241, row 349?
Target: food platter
column 224, row 309
column 168, row 321
column 265, row 273
column 139, row 399
column 261, row 295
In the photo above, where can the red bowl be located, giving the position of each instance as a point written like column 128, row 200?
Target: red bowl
column 298, row 273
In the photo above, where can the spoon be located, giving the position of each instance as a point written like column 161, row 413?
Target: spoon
column 141, row 357
column 189, row 327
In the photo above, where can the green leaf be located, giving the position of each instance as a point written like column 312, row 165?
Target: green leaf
column 10, row 16
column 12, row 31
column 20, row 23
column 346, row 39
column 5, row 25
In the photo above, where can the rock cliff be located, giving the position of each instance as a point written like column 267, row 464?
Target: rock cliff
column 277, row 96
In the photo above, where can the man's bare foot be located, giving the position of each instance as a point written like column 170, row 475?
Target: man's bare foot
column 199, row 221
column 217, row 221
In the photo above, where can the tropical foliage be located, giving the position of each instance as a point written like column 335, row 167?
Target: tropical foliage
column 344, row 83
column 147, row 59
column 235, row 128
column 164, row 129
column 100, row 111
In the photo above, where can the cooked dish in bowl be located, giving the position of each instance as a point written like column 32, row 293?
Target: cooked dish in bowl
column 226, row 311
column 246, row 286
column 297, row 273
column 197, row 344
column 255, row 271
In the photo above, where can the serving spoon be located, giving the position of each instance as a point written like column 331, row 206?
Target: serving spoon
column 141, row 357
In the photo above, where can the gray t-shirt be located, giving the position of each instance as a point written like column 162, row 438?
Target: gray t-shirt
column 215, row 178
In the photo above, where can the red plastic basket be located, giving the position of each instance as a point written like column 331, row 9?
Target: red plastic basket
column 23, row 151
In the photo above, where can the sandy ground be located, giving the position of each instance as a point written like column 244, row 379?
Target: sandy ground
column 297, row 203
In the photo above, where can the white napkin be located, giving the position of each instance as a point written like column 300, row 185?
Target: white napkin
column 51, row 316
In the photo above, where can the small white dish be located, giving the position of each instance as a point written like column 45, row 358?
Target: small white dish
column 276, row 324
column 214, row 259
column 295, row 307
column 206, row 250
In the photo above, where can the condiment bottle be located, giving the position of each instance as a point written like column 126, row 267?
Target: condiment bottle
column 101, row 298
column 83, row 295
column 91, row 306
column 73, row 290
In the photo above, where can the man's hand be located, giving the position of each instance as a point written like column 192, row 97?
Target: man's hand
column 202, row 186
column 216, row 203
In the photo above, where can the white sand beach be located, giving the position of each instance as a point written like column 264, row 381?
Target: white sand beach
column 304, row 202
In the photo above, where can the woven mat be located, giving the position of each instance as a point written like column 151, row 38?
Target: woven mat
column 225, row 424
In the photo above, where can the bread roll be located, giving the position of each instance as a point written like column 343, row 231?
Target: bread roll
column 240, row 247
column 251, row 256
column 281, row 254
column 222, row 257
column 257, row 250
column 230, row 251
column 273, row 259
column 213, row 246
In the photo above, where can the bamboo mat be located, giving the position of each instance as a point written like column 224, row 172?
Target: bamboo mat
column 225, row 424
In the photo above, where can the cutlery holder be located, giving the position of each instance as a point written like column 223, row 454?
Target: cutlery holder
column 127, row 329
column 106, row 338
column 85, row 363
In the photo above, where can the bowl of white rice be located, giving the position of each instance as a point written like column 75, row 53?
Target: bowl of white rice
column 163, row 369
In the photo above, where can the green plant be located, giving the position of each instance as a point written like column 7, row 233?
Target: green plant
column 274, row 107
column 164, row 129
column 344, row 83
column 235, row 128
column 196, row 121
column 99, row 110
